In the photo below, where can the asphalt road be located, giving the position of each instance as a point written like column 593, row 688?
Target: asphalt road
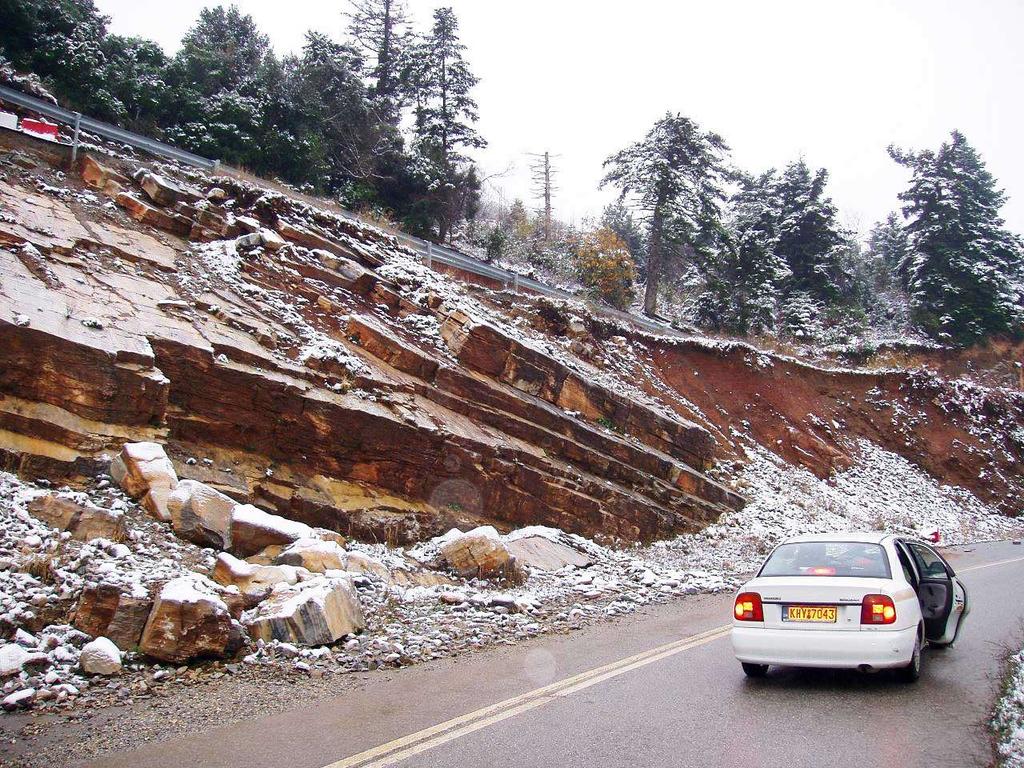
column 661, row 689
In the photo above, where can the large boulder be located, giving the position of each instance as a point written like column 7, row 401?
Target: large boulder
column 100, row 657
column 545, row 554
column 313, row 555
column 145, row 473
column 201, row 514
column 480, row 553
column 254, row 581
column 253, row 530
column 190, row 619
column 114, row 612
column 83, row 521
column 314, row 612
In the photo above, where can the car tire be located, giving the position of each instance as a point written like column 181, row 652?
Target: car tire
column 912, row 672
column 754, row 670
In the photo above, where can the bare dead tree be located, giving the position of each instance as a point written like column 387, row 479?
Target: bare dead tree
column 542, row 175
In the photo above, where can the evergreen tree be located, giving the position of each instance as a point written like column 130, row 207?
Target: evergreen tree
column 223, row 80
column 326, row 107
column 519, row 220
column 810, row 237
column 380, row 29
column 965, row 266
column 675, row 175
column 889, row 252
column 444, row 115
column 802, row 315
column 134, row 72
column 61, row 42
column 744, row 280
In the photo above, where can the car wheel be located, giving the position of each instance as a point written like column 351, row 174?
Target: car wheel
column 754, row 670
column 912, row 671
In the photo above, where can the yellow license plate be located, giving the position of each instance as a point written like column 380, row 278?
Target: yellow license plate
column 824, row 614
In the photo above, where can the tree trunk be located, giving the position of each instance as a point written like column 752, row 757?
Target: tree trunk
column 653, row 265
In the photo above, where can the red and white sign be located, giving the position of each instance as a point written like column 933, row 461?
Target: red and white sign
column 8, row 120
column 40, row 128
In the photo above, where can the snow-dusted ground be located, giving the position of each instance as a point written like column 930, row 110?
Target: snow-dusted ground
column 1008, row 721
column 406, row 624
column 882, row 491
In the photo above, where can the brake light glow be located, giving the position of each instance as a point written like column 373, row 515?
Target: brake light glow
column 748, row 607
column 877, row 609
column 823, row 570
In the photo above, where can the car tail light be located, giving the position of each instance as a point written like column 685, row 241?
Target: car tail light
column 877, row 609
column 748, row 607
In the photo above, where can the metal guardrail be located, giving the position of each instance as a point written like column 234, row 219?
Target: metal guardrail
column 429, row 251
column 432, row 252
column 82, row 123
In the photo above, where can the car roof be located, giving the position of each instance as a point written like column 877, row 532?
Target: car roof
column 870, row 537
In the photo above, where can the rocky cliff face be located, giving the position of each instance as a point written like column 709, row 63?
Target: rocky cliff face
column 295, row 360
column 309, row 365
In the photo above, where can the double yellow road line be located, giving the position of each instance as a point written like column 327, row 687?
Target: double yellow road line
column 428, row 738
column 408, row 746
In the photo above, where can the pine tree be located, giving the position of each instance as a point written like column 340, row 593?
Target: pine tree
column 675, row 175
column 328, row 111
column 444, row 115
column 965, row 266
column 744, row 280
column 802, row 315
column 223, row 80
column 134, row 73
column 519, row 220
column 380, row 29
column 810, row 237
column 61, row 42
column 889, row 249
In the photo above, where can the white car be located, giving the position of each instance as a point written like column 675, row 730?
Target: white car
column 863, row 601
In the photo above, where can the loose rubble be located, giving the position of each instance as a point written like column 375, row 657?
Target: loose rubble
column 74, row 611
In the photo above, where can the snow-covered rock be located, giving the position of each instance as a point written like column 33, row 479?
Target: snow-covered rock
column 116, row 612
column 478, row 553
column 253, row 530
column 83, row 521
column 201, row 514
column 190, row 619
column 545, row 554
column 314, row 555
column 254, row 581
column 357, row 562
column 14, row 658
column 19, row 699
column 315, row 612
column 100, row 657
column 145, row 473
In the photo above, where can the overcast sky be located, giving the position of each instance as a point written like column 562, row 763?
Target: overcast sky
column 833, row 81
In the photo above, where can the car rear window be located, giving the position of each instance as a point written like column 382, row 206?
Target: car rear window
column 828, row 558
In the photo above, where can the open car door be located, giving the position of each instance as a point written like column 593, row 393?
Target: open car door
column 943, row 597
